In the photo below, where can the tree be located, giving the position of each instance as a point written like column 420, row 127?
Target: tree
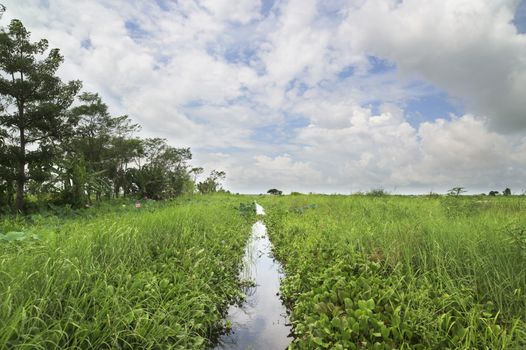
column 493, row 193
column 456, row 191
column 506, row 192
column 123, row 151
column 196, row 172
column 96, row 151
column 34, row 102
column 161, row 170
column 275, row 192
column 212, row 183
column 7, row 174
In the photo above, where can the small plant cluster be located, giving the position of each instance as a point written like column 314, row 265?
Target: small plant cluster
column 401, row 273
column 17, row 236
column 247, row 210
column 301, row 209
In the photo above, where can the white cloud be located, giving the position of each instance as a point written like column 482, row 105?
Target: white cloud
column 212, row 74
column 239, row 11
column 470, row 48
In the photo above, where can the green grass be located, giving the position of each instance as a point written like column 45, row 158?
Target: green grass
column 116, row 277
column 362, row 272
column 392, row 272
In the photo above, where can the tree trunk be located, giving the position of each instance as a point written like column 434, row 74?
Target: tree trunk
column 10, row 193
column 88, row 191
column 21, row 174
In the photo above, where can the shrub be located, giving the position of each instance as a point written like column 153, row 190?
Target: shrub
column 377, row 192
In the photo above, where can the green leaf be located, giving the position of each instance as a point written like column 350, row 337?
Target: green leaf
column 15, row 236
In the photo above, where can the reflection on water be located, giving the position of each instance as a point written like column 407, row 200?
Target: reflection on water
column 261, row 322
column 259, row 210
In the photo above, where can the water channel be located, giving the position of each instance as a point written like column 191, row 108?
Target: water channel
column 261, row 322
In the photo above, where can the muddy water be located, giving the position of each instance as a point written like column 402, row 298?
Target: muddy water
column 261, row 322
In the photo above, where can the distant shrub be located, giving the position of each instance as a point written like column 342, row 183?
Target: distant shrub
column 296, row 193
column 377, row 192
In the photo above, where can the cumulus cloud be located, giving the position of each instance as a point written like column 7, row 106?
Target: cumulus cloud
column 470, row 48
column 309, row 95
column 384, row 150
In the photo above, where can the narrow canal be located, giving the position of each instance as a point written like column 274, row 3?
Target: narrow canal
column 261, row 321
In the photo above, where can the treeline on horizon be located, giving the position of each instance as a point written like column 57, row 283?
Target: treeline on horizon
column 380, row 192
column 60, row 145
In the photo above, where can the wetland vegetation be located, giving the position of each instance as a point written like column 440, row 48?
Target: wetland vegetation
column 161, row 276
column 364, row 272
column 394, row 272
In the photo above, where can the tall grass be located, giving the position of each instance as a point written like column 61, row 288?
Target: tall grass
column 405, row 272
column 132, row 279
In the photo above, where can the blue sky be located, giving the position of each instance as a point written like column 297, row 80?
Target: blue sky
column 520, row 17
column 306, row 95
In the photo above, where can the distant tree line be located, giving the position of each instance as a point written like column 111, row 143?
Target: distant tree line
column 456, row 191
column 61, row 145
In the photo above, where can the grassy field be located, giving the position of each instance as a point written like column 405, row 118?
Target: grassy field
column 402, row 272
column 118, row 277
column 362, row 272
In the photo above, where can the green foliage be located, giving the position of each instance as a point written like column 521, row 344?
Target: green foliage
column 164, row 173
column 404, row 273
column 34, row 101
column 157, row 277
column 302, row 208
column 377, row 192
column 212, row 183
column 17, row 236
column 247, row 210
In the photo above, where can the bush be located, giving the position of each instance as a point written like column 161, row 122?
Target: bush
column 377, row 192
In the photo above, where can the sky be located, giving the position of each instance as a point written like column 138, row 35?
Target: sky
column 331, row 96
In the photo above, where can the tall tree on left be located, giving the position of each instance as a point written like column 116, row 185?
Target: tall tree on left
column 34, row 102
